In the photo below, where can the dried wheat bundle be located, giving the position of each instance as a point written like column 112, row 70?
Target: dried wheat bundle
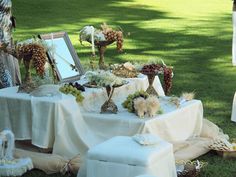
column 153, row 105
column 188, row 96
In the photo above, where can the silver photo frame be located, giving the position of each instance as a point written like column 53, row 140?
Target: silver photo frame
column 62, row 56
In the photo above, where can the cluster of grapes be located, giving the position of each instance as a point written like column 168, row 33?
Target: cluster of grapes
column 69, row 89
column 117, row 36
column 152, row 69
column 129, row 102
column 167, row 79
column 119, row 40
column 77, row 86
column 36, row 53
column 160, row 69
column 110, row 35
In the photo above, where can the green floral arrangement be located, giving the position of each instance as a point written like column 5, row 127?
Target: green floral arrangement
column 68, row 89
column 128, row 103
column 104, row 78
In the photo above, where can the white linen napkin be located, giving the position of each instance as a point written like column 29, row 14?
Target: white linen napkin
column 146, row 139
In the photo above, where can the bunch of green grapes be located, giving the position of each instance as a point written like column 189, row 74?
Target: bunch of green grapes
column 129, row 102
column 69, row 89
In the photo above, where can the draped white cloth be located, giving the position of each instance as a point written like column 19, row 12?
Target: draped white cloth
column 175, row 124
column 95, row 97
column 57, row 121
column 72, row 128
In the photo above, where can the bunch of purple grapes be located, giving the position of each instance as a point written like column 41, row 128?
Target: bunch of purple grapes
column 78, row 86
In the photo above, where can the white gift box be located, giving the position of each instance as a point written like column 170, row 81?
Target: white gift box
column 122, row 156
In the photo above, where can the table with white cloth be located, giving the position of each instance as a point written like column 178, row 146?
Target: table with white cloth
column 173, row 125
column 57, row 121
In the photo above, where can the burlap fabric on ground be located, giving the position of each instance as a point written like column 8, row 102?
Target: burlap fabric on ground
column 50, row 163
column 198, row 146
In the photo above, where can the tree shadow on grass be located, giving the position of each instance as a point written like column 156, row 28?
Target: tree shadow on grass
column 201, row 57
column 56, row 14
column 200, row 54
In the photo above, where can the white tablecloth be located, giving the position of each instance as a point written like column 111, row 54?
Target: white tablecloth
column 175, row 124
column 57, row 121
column 95, row 97
column 30, row 117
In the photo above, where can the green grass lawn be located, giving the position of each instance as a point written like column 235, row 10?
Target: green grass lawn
column 194, row 36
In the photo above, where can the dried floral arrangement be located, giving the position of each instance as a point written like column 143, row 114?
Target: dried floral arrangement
column 113, row 35
column 104, row 78
column 30, row 50
column 101, row 38
column 142, row 104
column 149, row 106
column 128, row 103
column 32, row 55
column 105, row 33
column 186, row 96
column 175, row 100
column 35, row 53
column 126, row 70
column 110, row 82
column 154, row 69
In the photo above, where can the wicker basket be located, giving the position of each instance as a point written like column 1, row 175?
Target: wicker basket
column 227, row 154
column 190, row 168
column 189, row 171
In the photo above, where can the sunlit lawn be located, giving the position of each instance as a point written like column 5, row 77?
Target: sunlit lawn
column 193, row 36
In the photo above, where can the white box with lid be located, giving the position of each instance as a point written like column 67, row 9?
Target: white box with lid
column 121, row 156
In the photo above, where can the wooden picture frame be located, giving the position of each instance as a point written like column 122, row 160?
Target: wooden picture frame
column 62, row 56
